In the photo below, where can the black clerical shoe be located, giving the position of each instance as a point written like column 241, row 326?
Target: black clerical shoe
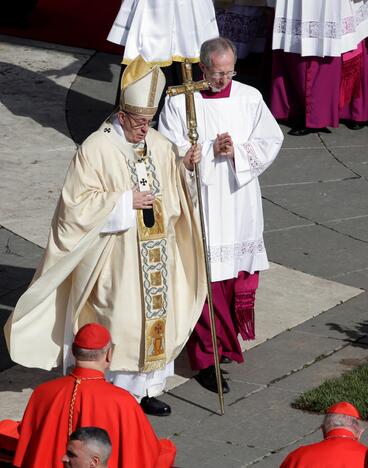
column 301, row 131
column 207, row 378
column 226, row 360
column 155, row 407
column 355, row 125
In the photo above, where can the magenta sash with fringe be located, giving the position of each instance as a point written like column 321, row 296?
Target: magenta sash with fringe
column 245, row 294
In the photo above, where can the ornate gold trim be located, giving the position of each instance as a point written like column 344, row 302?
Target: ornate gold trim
column 139, row 110
column 157, row 231
column 165, row 63
column 152, row 91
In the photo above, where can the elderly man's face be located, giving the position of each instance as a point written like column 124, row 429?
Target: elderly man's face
column 135, row 126
column 221, row 71
column 78, row 455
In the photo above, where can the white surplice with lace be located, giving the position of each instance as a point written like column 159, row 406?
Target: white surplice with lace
column 230, row 188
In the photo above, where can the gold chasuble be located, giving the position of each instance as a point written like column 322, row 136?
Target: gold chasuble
column 146, row 283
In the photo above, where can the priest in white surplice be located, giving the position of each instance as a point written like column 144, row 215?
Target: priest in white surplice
column 124, row 250
column 240, row 139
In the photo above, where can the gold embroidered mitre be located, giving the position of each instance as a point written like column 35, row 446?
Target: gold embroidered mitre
column 141, row 87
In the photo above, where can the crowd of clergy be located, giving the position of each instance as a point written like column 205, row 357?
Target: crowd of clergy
column 121, row 288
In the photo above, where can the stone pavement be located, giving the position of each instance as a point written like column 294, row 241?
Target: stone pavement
column 311, row 312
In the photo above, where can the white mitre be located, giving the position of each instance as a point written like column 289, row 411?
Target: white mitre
column 141, row 87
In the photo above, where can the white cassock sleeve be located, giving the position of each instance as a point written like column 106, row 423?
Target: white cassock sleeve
column 255, row 155
column 123, row 216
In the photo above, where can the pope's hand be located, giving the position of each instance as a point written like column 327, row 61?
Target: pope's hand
column 142, row 200
column 223, row 146
column 192, row 156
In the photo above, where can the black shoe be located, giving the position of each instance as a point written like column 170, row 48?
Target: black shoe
column 207, row 378
column 155, row 407
column 355, row 125
column 226, row 360
column 301, row 131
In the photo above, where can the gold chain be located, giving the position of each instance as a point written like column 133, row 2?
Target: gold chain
column 78, row 380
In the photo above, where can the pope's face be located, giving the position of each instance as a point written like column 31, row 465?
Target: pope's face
column 135, row 126
column 77, row 455
column 221, row 71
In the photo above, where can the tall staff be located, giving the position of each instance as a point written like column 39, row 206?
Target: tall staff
column 188, row 88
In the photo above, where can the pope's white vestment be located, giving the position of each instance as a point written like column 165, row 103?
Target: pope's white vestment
column 230, row 188
column 95, row 268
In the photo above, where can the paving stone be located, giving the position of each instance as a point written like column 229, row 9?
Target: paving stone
column 208, row 400
column 347, row 321
column 89, row 103
column 278, row 357
column 354, row 157
column 202, row 453
column 16, row 385
column 18, row 252
column 187, row 412
column 328, row 368
column 344, row 137
column 320, row 252
column 353, row 278
column 303, row 166
column 356, row 227
column 5, row 361
column 322, row 202
column 256, row 421
column 306, row 141
column 277, row 218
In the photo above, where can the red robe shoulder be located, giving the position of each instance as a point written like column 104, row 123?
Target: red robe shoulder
column 339, row 450
column 44, row 427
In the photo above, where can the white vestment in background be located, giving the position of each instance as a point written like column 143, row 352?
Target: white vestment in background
column 163, row 31
column 230, row 188
column 320, row 27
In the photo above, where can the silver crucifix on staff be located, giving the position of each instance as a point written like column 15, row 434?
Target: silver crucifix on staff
column 189, row 87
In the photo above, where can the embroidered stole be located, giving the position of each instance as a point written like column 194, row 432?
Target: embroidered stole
column 153, row 257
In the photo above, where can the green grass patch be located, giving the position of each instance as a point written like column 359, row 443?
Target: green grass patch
column 352, row 386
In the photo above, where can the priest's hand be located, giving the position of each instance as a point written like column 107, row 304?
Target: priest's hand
column 142, row 200
column 223, row 146
column 192, row 156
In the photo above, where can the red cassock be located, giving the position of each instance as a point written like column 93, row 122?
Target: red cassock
column 339, row 450
column 44, row 428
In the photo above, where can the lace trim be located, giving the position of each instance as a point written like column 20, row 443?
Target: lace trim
column 256, row 165
column 316, row 29
column 224, row 253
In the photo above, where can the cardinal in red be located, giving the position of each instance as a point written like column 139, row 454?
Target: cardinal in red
column 340, row 448
column 84, row 398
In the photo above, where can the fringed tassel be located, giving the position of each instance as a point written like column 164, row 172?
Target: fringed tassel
column 350, row 86
column 244, row 315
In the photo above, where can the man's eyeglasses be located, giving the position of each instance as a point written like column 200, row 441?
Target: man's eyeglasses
column 217, row 75
column 138, row 123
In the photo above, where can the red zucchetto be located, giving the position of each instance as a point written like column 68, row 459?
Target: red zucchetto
column 92, row 336
column 344, row 408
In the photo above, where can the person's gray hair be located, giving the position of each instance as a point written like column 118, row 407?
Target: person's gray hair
column 83, row 354
column 96, row 439
column 335, row 421
column 218, row 45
